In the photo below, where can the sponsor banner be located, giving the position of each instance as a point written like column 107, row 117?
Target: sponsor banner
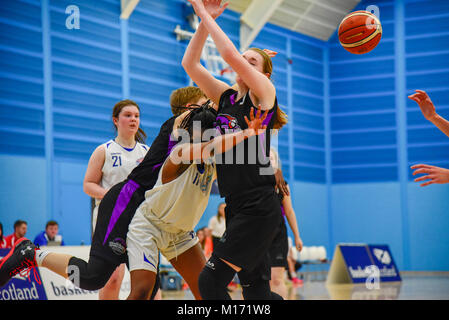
column 58, row 288
column 356, row 258
column 383, row 259
column 22, row 288
column 362, row 263
column 55, row 287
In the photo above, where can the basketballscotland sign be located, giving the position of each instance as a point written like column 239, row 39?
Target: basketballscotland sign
column 363, row 263
column 53, row 286
column 22, row 288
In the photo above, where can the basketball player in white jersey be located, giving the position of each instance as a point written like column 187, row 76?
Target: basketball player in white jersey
column 111, row 163
column 165, row 220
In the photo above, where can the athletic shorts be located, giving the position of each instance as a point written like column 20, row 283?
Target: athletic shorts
column 279, row 247
column 146, row 238
column 115, row 213
column 251, row 225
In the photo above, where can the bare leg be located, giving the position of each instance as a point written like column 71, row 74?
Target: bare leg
column 111, row 290
column 189, row 265
column 277, row 282
column 58, row 263
column 142, row 283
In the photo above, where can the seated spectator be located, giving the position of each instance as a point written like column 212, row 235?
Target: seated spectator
column 217, row 224
column 205, row 240
column 20, row 230
column 50, row 236
column 2, row 238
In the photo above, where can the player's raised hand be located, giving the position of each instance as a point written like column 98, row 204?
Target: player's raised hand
column 255, row 124
column 270, row 53
column 424, row 102
column 198, row 6
column 432, row 173
column 214, row 7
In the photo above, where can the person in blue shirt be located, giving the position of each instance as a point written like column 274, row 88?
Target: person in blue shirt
column 50, row 236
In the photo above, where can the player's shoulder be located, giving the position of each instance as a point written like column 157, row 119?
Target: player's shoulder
column 142, row 146
column 106, row 145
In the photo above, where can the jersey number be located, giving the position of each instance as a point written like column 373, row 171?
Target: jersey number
column 117, row 161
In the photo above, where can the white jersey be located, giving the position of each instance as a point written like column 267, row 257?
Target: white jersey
column 118, row 164
column 179, row 204
column 120, row 161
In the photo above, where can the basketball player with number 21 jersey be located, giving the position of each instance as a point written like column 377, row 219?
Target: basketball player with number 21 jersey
column 118, row 163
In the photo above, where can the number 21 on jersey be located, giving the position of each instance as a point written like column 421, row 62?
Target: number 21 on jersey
column 117, row 161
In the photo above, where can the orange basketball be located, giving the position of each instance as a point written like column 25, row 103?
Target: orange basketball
column 360, row 32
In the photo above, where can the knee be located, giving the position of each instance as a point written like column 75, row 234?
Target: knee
column 115, row 281
column 259, row 290
column 276, row 280
column 214, row 278
column 139, row 293
column 205, row 281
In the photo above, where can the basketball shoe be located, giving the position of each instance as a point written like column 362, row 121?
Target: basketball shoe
column 20, row 259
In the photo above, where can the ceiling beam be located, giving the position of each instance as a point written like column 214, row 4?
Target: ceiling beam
column 254, row 18
column 330, row 7
column 127, row 7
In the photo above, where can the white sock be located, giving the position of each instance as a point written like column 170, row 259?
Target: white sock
column 40, row 256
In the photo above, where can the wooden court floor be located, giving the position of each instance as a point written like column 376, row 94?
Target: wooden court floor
column 414, row 286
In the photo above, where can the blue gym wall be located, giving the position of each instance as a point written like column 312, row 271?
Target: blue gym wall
column 377, row 134
column 351, row 137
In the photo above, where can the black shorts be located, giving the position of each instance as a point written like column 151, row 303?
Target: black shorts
column 252, row 220
column 279, row 247
column 115, row 213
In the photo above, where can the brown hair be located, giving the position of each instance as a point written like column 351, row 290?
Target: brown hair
column 140, row 134
column 51, row 223
column 281, row 116
column 182, row 96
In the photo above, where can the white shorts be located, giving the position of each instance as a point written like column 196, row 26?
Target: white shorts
column 145, row 239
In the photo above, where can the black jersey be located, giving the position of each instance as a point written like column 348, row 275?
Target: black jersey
column 146, row 173
column 246, row 166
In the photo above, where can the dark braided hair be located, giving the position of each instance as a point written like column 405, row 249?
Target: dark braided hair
column 206, row 115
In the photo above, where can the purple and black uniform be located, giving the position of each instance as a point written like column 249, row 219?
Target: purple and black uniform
column 247, row 183
column 116, row 210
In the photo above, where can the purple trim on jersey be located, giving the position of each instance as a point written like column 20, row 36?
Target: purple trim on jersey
column 157, row 166
column 120, row 205
column 282, row 210
column 171, row 144
column 262, row 136
column 232, row 98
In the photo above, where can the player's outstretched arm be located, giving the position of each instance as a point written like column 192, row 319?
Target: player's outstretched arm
column 432, row 173
column 257, row 82
column 191, row 62
column 428, row 110
column 291, row 218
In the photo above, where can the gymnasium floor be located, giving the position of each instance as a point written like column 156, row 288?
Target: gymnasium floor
column 414, row 286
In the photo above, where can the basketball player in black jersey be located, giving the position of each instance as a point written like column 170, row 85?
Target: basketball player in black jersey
column 252, row 206
column 108, row 249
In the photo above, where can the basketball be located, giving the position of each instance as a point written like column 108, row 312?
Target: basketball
column 360, row 32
